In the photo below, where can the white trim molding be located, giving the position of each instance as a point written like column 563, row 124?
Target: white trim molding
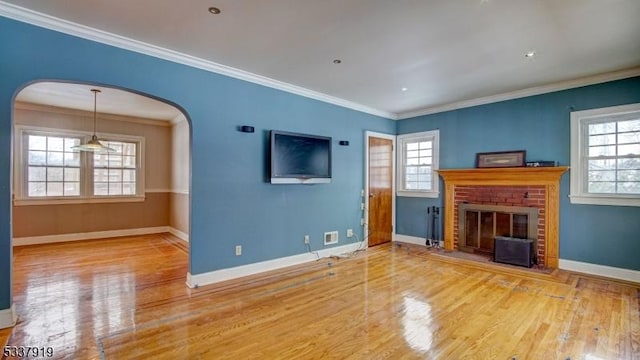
column 601, row 270
column 67, row 27
column 409, row 239
column 212, row 277
column 49, row 239
column 8, row 317
column 179, row 234
column 517, row 94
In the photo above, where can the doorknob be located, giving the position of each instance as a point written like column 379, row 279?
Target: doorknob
column 371, row 195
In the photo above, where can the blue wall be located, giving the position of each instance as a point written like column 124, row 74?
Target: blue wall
column 605, row 235
column 231, row 202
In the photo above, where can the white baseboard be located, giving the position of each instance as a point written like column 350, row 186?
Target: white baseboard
column 179, row 234
column 600, row 270
column 48, row 239
column 8, row 317
column 409, row 239
column 259, row 267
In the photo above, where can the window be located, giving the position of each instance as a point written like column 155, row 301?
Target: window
column 48, row 170
column 605, row 156
column 417, row 164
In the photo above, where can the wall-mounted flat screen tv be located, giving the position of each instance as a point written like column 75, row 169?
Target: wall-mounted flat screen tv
column 300, row 158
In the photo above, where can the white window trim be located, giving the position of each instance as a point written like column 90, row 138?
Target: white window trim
column 21, row 199
column 578, row 193
column 401, row 140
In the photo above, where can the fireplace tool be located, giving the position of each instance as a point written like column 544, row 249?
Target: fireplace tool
column 433, row 230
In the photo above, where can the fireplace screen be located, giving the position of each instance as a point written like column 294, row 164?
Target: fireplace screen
column 480, row 224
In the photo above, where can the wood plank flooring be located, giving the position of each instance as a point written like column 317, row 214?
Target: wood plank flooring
column 126, row 298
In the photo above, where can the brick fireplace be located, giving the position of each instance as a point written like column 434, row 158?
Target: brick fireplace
column 535, row 189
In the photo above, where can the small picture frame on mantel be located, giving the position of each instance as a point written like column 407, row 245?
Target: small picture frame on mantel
column 501, row 159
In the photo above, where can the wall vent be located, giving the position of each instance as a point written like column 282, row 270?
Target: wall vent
column 331, row 237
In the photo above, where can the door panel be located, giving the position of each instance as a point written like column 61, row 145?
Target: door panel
column 380, row 190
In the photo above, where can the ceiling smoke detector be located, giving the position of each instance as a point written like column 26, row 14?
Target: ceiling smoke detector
column 337, row 61
column 530, row 54
column 214, row 10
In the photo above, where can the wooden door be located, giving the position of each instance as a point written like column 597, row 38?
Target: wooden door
column 380, row 190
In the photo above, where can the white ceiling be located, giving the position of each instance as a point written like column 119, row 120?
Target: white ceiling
column 442, row 51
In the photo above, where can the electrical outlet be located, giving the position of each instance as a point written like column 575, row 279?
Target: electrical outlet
column 331, row 237
column 349, row 233
column 306, row 239
column 238, row 250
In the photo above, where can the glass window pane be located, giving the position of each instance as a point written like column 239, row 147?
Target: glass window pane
column 129, row 149
column 37, row 173
column 412, row 146
column 629, row 163
column 629, row 187
column 37, row 189
column 115, row 188
column 412, row 161
column 129, row 162
column 631, row 125
column 609, row 164
column 115, row 161
column 71, row 188
column 115, row 175
column 55, row 174
column 599, row 175
column 602, row 128
column 628, row 175
column 55, row 158
column 37, row 142
column 426, row 145
column 100, row 160
column 426, row 161
column 630, row 137
column 602, row 139
column 72, row 158
column 411, row 170
column 100, row 175
column 55, row 143
column 128, row 175
column 100, row 188
column 632, row 149
column 602, row 151
column 128, row 188
column 71, row 174
column 69, row 143
column 413, row 154
column 602, row 187
column 425, row 153
column 37, row 158
column 54, row 189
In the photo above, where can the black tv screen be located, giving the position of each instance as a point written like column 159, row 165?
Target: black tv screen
column 300, row 158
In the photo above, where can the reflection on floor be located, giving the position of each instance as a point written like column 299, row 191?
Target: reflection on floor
column 126, row 298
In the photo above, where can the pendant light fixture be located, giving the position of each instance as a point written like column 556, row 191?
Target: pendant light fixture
column 94, row 145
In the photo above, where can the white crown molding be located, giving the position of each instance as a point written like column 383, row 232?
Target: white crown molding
column 49, row 239
column 8, row 317
column 19, row 105
column 601, row 270
column 216, row 276
column 53, row 23
column 536, row 90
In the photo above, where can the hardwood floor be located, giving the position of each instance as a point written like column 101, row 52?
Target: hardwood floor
column 126, row 298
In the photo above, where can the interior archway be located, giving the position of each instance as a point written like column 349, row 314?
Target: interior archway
column 87, row 196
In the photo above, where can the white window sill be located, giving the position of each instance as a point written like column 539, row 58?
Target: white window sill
column 423, row 194
column 94, row 200
column 605, row 200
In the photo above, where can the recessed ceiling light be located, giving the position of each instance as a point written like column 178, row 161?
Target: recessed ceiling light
column 404, row 89
column 337, row 61
column 530, row 54
column 214, row 10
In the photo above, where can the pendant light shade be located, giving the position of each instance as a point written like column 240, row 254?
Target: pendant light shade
column 94, row 145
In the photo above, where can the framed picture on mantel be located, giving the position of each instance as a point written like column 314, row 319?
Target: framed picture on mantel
column 515, row 158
